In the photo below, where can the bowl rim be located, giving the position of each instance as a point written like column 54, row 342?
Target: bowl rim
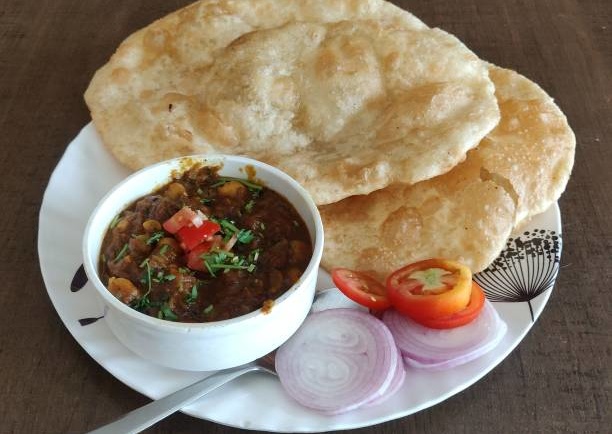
column 313, row 264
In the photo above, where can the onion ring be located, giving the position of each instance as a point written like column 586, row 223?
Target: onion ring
column 338, row 360
column 396, row 383
column 434, row 349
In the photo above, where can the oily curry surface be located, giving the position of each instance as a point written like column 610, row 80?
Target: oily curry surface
column 257, row 246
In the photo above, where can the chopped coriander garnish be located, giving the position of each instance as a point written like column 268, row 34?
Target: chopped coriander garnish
column 216, row 256
column 163, row 249
column 210, row 270
column 121, row 253
column 208, row 309
column 249, row 206
column 230, row 266
column 253, row 255
column 222, row 260
column 248, row 184
column 205, row 200
column 158, row 276
column 193, row 295
column 156, row 236
column 167, row 312
column 228, row 226
column 144, row 302
column 161, row 277
column 146, row 275
column 148, row 278
column 184, row 270
column 115, row 221
column 245, row 236
column 142, row 264
column 251, row 268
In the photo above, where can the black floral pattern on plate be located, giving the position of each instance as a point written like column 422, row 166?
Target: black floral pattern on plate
column 79, row 280
column 526, row 268
column 90, row 320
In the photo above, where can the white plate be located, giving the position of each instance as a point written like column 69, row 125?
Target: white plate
column 523, row 277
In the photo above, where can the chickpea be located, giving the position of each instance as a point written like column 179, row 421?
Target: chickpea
column 151, row 226
column 232, row 189
column 175, row 191
column 123, row 225
column 171, row 242
column 123, row 289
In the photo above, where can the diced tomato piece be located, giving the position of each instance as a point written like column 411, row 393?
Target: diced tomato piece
column 183, row 217
column 191, row 236
column 194, row 261
column 193, row 257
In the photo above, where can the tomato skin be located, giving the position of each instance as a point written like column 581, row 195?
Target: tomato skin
column 191, row 236
column 193, row 257
column 418, row 306
column 463, row 317
column 361, row 288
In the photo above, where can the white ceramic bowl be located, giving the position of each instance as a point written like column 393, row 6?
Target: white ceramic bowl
column 214, row 345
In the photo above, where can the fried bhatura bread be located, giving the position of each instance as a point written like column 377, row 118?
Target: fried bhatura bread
column 345, row 107
column 467, row 214
column 531, row 151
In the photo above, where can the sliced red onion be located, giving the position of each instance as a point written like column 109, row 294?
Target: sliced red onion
column 396, row 383
column 198, row 219
column 230, row 243
column 433, row 349
column 338, row 360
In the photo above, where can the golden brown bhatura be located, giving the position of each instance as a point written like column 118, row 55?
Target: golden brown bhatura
column 345, row 96
column 518, row 170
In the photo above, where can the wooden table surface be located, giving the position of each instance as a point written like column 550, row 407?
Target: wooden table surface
column 559, row 379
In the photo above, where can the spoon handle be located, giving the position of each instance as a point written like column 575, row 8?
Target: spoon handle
column 145, row 416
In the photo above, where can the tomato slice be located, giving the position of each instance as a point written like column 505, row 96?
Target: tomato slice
column 430, row 289
column 361, row 288
column 191, row 236
column 463, row 317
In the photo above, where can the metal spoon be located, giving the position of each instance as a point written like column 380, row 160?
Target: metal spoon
column 145, row 416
